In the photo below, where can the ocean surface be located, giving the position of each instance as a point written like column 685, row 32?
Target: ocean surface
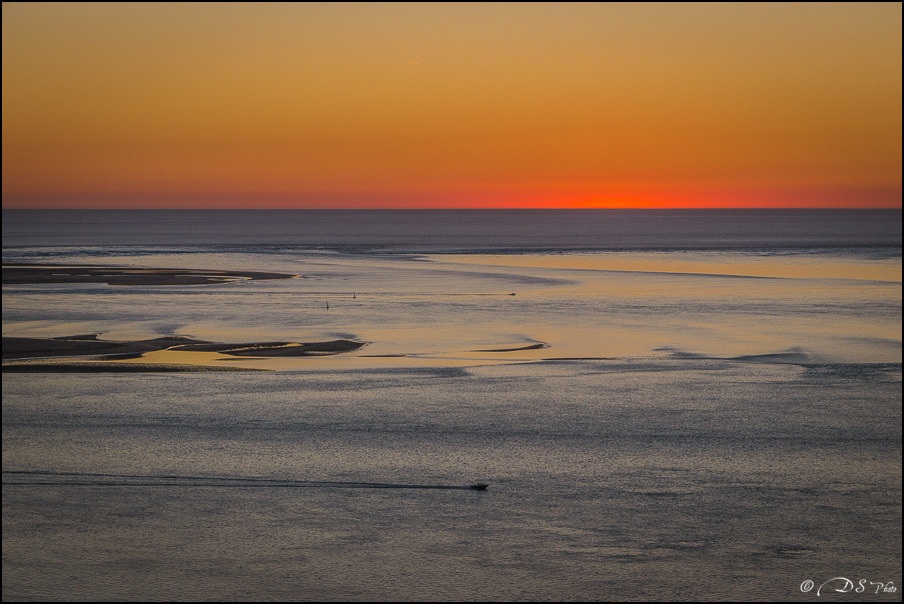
column 666, row 405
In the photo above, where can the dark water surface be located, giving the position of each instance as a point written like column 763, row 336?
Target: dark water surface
column 715, row 412
column 453, row 230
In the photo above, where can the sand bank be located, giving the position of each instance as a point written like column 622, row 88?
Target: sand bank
column 43, row 366
column 537, row 346
column 89, row 353
column 26, row 274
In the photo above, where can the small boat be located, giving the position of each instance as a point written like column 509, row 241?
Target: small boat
column 479, row 486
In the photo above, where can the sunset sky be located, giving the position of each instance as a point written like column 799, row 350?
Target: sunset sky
column 333, row 105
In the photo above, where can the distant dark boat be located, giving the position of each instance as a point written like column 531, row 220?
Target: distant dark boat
column 479, row 486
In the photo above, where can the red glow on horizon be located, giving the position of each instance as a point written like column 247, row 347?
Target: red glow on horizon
column 626, row 198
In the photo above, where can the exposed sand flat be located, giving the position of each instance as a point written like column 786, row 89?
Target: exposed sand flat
column 68, row 366
column 276, row 349
column 537, row 346
column 26, row 274
column 69, row 353
column 17, row 348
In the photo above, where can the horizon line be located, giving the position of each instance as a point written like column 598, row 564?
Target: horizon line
column 617, row 196
column 446, row 208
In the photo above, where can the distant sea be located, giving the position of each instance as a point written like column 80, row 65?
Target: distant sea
column 693, row 405
column 459, row 230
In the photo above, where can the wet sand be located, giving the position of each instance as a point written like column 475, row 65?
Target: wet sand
column 28, row 274
column 88, row 353
column 537, row 346
column 32, row 366
column 69, row 353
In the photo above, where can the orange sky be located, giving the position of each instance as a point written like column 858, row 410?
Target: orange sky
column 451, row 105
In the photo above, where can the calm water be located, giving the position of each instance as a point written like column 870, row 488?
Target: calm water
column 716, row 413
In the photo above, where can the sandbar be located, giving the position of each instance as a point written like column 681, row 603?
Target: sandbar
column 537, row 346
column 89, row 353
column 42, row 366
column 24, row 273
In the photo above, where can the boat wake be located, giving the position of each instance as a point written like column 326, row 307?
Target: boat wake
column 52, row 478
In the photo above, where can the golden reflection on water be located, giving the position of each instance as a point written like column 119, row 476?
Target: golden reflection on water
column 177, row 357
column 702, row 263
column 453, row 310
column 345, row 361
